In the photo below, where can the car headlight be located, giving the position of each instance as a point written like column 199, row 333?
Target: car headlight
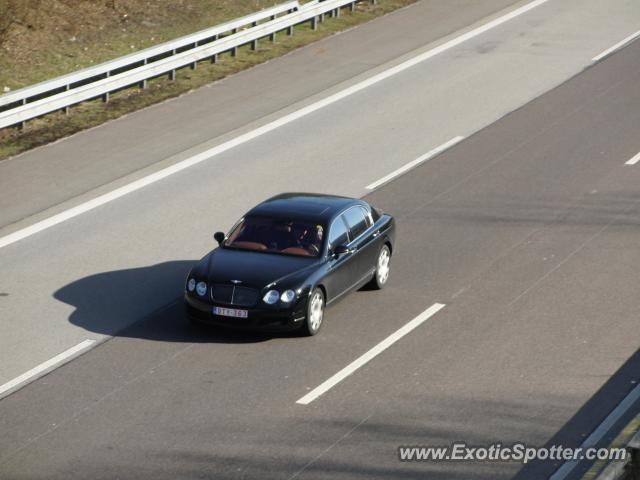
column 271, row 297
column 191, row 284
column 201, row 288
column 288, row 296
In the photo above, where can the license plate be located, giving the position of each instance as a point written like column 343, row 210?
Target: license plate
column 230, row 312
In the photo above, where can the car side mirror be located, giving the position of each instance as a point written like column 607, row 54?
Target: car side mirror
column 341, row 250
column 219, row 237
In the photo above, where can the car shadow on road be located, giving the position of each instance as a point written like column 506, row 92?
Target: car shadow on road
column 146, row 303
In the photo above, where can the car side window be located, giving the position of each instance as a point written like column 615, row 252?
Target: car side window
column 338, row 233
column 356, row 221
column 367, row 216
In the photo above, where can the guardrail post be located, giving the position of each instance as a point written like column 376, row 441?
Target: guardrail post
column 22, row 123
column 314, row 23
column 290, row 28
column 172, row 73
column 272, row 37
column 373, row 2
column 143, row 83
column 338, row 12
column 352, row 6
column 321, row 17
column 66, row 109
column 194, row 65
column 254, row 43
column 105, row 97
column 234, row 50
column 214, row 57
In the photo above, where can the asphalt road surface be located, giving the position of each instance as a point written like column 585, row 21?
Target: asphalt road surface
column 526, row 231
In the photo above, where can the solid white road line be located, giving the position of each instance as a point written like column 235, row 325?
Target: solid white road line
column 154, row 177
column 618, row 45
column 362, row 360
column 593, row 439
column 633, row 160
column 430, row 154
column 45, row 366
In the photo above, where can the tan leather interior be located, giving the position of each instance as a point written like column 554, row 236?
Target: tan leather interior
column 296, row 251
column 249, row 245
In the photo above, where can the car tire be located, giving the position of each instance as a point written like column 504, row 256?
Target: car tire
column 383, row 267
column 315, row 312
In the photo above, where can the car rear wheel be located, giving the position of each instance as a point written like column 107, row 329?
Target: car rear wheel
column 383, row 266
column 315, row 312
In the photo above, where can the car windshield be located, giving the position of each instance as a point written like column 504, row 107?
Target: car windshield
column 277, row 235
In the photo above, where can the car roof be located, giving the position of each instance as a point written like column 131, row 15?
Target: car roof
column 304, row 206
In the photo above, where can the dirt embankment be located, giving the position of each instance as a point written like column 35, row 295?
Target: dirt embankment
column 40, row 39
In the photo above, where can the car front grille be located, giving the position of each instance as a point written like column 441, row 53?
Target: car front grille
column 234, row 295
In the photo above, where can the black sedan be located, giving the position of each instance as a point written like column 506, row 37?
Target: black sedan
column 288, row 258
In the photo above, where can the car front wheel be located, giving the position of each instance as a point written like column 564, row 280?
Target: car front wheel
column 315, row 312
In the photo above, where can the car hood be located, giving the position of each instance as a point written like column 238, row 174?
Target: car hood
column 252, row 268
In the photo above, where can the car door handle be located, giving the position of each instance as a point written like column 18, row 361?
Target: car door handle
column 375, row 234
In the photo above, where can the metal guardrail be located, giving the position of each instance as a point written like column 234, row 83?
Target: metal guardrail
column 135, row 69
column 142, row 55
column 627, row 469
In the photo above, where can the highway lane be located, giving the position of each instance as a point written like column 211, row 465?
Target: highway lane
column 339, row 149
column 526, row 231
column 93, row 158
